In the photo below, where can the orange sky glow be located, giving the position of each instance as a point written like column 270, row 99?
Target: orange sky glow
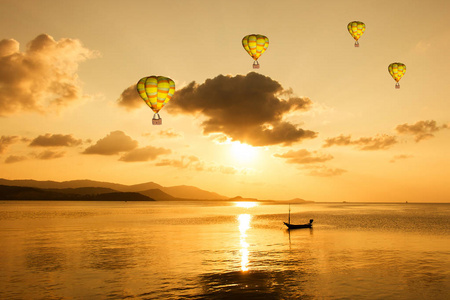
column 320, row 120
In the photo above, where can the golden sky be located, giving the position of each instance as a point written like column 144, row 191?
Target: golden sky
column 320, row 120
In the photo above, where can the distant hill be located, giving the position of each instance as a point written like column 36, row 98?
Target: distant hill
column 157, row 194
column 192, row 192
column 239, row 198
column 142, row 187
column 31, row 193
column 84, row 190
column 89, row 188
column 182, row 192
column 299, row 200
column 64, row 184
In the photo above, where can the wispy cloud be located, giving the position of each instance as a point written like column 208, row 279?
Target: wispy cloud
column 6, row 141
column 49, row 154
column 248, row 109
column 114, row 143
column 55, row 140
column 15, row 158
column 400, row 157
column 379, row 142
column 421, row 130
column 311, row 162
column 304, row 156
column 43, row 77
column 144, row 154
column 192, row 162
column 323, row 171
column 170, row 133
column 182, row 163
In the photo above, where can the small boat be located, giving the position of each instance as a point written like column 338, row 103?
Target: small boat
column 296, row 226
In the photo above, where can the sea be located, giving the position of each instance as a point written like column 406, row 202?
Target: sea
column 223, row 250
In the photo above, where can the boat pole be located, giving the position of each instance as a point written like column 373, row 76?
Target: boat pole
column 289, row 214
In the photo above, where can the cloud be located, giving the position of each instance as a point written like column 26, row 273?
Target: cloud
column 6, row 140
column 379, row 142
column 183, row 163
column 194, row 163
column 247, row 108
column 130, row 99
column 170, row 133
column 55, row 140
column 309, row 160
column 422, row 46
column 421, row 130
column 220, row 138
column 324, row 171
column 48, row 154
column 398, row 157
column 41, row 78
column 14, row 158
column 304, row 156
column 114, row 143
column 144, row 154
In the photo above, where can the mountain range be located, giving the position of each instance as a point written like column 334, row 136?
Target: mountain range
column 91, row 187
column 100, row 190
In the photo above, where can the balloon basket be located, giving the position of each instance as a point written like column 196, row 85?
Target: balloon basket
column 397, row 85
column 156, row 121
column 255, row 65
column 356, row 44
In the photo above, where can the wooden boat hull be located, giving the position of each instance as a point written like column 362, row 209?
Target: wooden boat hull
column 293, row 226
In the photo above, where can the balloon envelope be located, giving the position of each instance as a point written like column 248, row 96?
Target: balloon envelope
column 356, row 29
column 255, row 45
column 156, row 91
column 397, row 70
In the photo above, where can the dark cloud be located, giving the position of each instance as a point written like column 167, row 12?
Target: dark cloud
column 48, row 154
column 43, row 77
column 379, row 142
column 55, row 140
column 6, row 140
column 398, row 157
column 15, row 158
column 247, row 108
column 304, row 156
column 421, row 130
column 114, row 143
column 130, row 99
column 144, row 154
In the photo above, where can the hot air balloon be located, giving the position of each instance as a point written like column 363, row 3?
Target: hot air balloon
column 156, row 91
column 397, row 70
column 356, row 29
column 255, row 45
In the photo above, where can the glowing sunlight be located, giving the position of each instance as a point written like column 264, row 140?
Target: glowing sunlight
column 243, row 152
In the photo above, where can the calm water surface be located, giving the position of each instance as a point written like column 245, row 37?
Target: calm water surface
column 210, row 250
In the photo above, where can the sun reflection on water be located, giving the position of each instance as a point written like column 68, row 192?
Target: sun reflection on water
column 246, row 204
column 244, row 225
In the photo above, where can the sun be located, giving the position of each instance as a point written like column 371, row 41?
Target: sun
column 243, row 152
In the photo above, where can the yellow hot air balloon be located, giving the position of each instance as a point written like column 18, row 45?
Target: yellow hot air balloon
column 397, row 70
column 255, row 45
column 356, row 29
column 156, row 91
